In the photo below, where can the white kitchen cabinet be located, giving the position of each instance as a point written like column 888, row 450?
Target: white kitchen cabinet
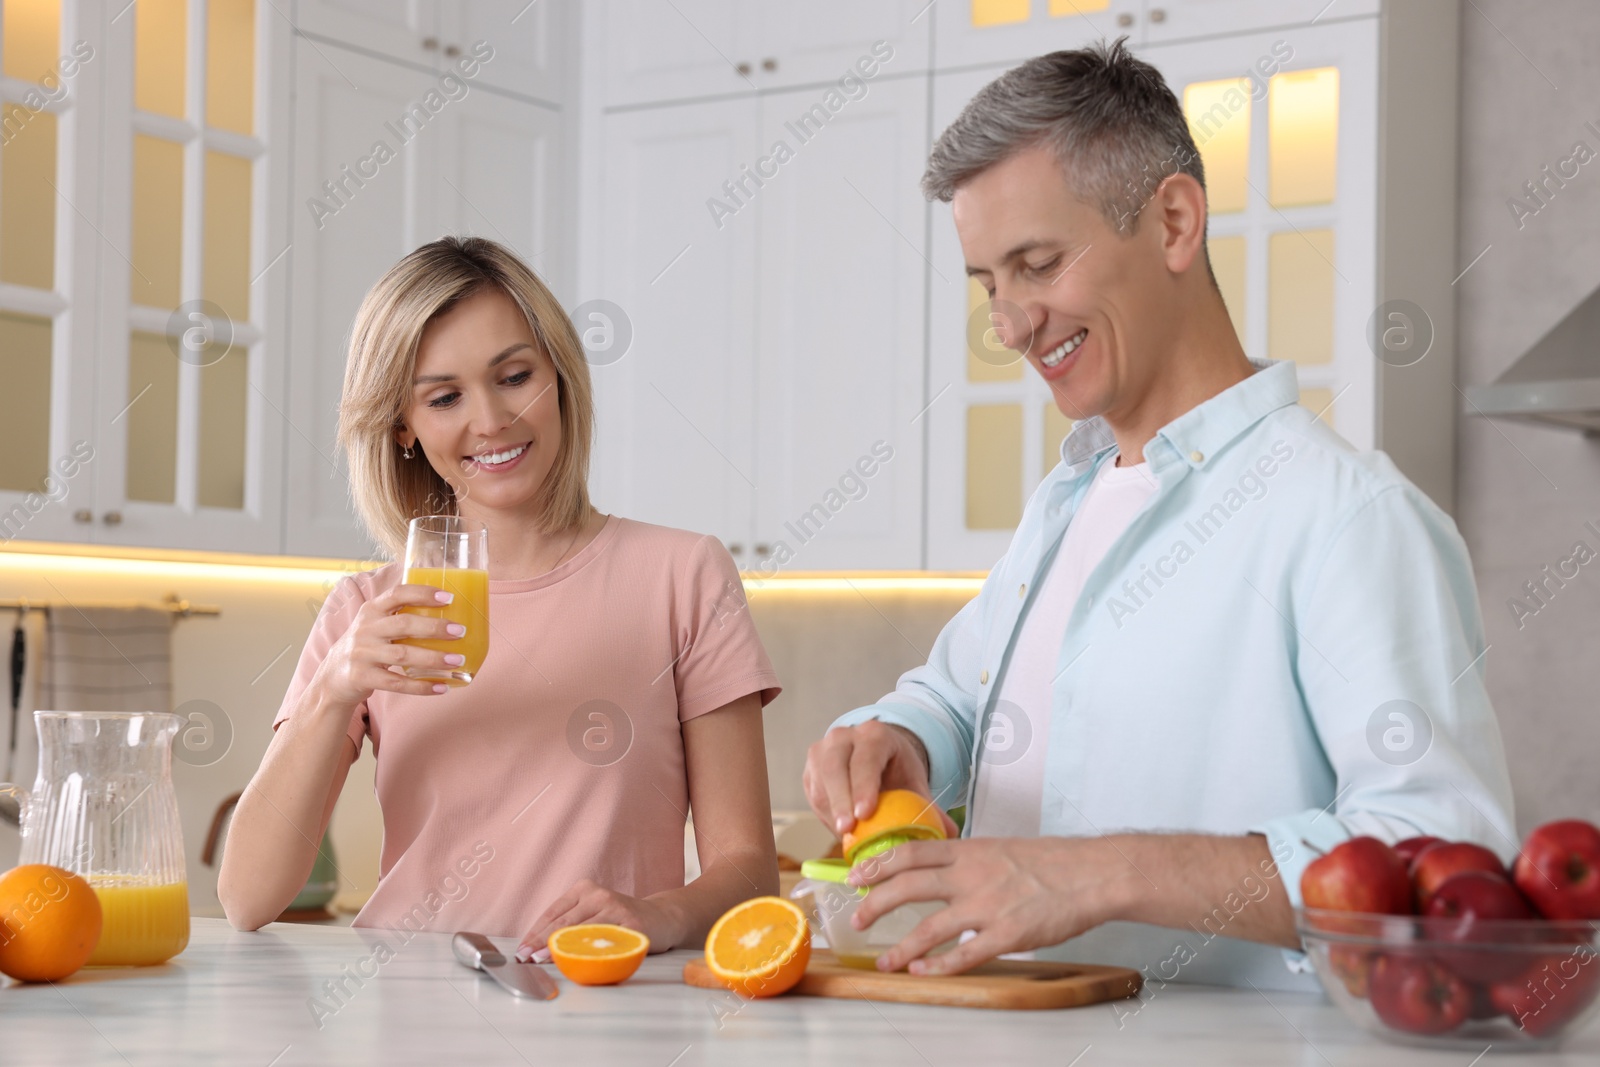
column 529, row 39
column 407, row 31
column 49, row 258
column 771, row 265
column 969, row 32
column 1164, row 21
column 658, row 51
column 676, row 408
column 840, row 336
column 161, row 162
column 189, row 379
column 484, row 164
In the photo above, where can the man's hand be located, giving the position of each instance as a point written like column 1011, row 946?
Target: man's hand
column 851, row 765
column 1022, row 893
column 1016, row 892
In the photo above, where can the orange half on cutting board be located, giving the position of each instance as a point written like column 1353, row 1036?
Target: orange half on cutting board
column 760, row 948
column 597, row 953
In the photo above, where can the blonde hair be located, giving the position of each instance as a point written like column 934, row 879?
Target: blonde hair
column 389, row 490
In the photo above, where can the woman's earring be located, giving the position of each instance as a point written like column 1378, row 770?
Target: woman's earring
column 407, row 452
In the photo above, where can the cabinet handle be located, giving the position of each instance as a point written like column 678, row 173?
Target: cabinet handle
column 430, row 44
column 769, row 64
column 452, row 50
column 1124, row 20
column 1157, row 15
column 763, row 550
column 111, row 518
column 83, row 515
column 735, row 548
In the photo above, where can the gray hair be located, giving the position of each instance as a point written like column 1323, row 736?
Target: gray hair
column 1110, row 119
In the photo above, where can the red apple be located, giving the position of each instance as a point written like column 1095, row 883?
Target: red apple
column 1437, row 862
column 1418, row 995
column 1466, row 901
column 1551, row 993
column 1483, row 1005
column 1559, row 869
column 1409, row 848
column 1361, row 874
column 1352, row 965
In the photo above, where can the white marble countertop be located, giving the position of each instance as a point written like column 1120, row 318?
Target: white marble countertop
column 248, row 999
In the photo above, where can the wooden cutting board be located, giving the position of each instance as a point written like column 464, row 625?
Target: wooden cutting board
column 1005, row 984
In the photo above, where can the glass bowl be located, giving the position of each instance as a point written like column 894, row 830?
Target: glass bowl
column 829, row 902
column 1454, row 983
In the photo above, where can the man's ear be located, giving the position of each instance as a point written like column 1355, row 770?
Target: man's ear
column 1180, row 211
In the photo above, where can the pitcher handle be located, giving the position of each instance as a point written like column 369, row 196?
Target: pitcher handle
column 16, row 798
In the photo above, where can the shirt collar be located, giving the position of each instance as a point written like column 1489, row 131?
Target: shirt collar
column 1199, row 433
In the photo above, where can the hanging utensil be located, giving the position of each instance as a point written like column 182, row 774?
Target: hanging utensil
column 10, row 810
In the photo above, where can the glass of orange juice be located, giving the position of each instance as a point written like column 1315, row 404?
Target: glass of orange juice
column 452, row 554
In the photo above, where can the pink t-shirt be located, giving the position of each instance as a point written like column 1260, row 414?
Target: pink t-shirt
column 563, row 759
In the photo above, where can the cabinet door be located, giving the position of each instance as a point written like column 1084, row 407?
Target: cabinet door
column 49, row 253
column 1287, row 124
column 1175, row 20
column 994, row 431
column 1009, row 31
column 655, row 51
column 789, row 44
column 407, row 30
column 192, row 345
column 353, row 218
column 531, row 42
column 842, row 273
column 674, row 442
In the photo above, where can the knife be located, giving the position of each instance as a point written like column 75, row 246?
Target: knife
column 522, row 979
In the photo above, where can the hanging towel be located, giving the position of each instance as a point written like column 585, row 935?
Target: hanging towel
column 107, row 659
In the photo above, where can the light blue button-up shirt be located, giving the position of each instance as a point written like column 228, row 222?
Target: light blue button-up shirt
column 1286, row 640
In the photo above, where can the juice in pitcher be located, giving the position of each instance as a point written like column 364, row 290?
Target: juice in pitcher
column 470, row 608
column 143, row 922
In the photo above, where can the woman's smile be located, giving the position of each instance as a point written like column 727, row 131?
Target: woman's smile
column 500, row 459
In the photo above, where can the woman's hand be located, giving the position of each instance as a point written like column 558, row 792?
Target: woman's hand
column 367, row 659
column 588, row 902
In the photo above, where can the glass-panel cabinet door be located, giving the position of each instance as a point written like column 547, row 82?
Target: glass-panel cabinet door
column 192, row 364
column 48, row 170
column 1286, row 124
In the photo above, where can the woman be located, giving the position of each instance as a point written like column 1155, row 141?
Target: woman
column 624, row 678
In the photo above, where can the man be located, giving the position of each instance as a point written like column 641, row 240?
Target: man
column 1222, row 640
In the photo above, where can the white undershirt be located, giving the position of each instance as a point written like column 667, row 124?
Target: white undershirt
column 1011, row 777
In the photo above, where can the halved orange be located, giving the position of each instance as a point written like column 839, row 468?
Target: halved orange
column 597, row 953
column 760, row 948
column 900, row 813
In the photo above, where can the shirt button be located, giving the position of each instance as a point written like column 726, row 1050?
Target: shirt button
column 983, row 679
column 1197, row 456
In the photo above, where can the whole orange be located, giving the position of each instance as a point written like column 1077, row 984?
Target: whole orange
column 49, row 922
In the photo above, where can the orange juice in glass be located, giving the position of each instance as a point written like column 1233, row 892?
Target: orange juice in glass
column 452, row 554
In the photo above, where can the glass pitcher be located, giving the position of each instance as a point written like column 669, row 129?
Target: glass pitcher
column 103, row 807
